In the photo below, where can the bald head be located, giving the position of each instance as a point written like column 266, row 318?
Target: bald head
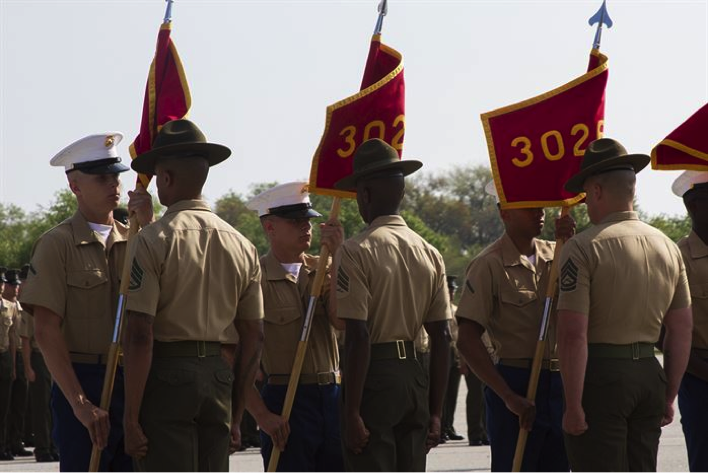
column 608, row 192
column 180, row 178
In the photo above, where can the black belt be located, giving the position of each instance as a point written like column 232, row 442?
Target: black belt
column 551, row 365
column 398, row 350
column 186, row 348
column 88, row 358
column 324, row 378
column 631, row 351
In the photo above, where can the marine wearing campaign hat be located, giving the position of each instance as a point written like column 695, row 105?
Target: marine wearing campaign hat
column 692, row 399
column 310, row 440
column 194, row 291
column 72, row 291
column 385, row 296
column 617, row 396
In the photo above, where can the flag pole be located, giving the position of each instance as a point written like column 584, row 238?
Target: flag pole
column 315, row 292
column 383, row 9
column 168, row 12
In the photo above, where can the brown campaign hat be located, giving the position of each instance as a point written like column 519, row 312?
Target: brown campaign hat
column 375, row 156
column 602, row 155
column 178, row 139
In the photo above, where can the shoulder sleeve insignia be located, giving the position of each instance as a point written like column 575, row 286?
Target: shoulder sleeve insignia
column 568, row 276
column 136, row 276
column 343, row 281
column 470, row 287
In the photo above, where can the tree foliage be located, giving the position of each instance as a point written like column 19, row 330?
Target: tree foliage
column 449, row 209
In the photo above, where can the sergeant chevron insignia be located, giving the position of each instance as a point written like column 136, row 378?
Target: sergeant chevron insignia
column 343, row 281
column 136, row 276
column 568, row 276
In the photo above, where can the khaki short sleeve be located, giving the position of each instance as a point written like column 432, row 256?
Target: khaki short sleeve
column 144, row 286
column 26, row 326
column 682, row 297
column 46, row 284
column 440, row 305
column 353, row 294
column 574, row 279
column 250, row 305
column 476, row 300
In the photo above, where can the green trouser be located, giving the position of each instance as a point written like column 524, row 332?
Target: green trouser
column 40, row 391
column 18, row 405
column 394, row 409
column 5, row 390
column 186, row 414
column 475, row 408
column 624, row 401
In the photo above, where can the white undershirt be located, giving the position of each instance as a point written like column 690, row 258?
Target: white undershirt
column 292, row 268
column 532, row 259
column 101, row 229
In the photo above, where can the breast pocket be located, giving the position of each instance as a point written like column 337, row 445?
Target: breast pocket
column 281, row 315
column 518, row 297
column 88, row 293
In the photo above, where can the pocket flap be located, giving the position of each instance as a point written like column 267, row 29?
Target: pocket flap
column 86, row 279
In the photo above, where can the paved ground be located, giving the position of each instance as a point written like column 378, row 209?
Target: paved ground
column 452, row 456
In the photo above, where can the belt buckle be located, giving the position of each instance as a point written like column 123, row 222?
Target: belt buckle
column 401, row 349
column 201, row 349
column 324, row 378
column 636, row 350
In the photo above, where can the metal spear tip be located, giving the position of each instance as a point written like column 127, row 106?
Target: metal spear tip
column 382, row 8
column 601, row 17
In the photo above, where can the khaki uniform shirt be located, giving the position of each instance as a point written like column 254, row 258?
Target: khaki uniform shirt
column 195, row 274
column 625, row 275
column 75, row 274
column 694, row 254
column 285, row 302
column 505, row 293
column 27, row 329
column 393, row 279
column 15, row 309
column 6, row 321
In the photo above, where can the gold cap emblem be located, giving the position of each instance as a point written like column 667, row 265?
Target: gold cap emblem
column 109, row 141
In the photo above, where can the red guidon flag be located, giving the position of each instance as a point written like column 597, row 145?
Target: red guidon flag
column 167, row 95
column 686, row 147
column 376, row 111
column 536, row 145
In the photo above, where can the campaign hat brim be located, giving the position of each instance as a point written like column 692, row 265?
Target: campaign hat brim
column 406, row 167
column 637, row 161
column 212, row 152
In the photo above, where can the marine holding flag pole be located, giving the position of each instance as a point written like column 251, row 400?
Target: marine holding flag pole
column 376, row 111
column 167, row 97
column 597, row 61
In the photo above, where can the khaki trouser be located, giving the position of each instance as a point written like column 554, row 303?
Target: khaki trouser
column 186, row 414
column 395, row 410
column 624, row 401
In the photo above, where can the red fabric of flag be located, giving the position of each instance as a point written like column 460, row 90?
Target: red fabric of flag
column 686, row 147
column 167, row 95
column 536, row 145
column 376, row 111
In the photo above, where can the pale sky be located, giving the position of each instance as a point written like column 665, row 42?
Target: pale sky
column 262, row 72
